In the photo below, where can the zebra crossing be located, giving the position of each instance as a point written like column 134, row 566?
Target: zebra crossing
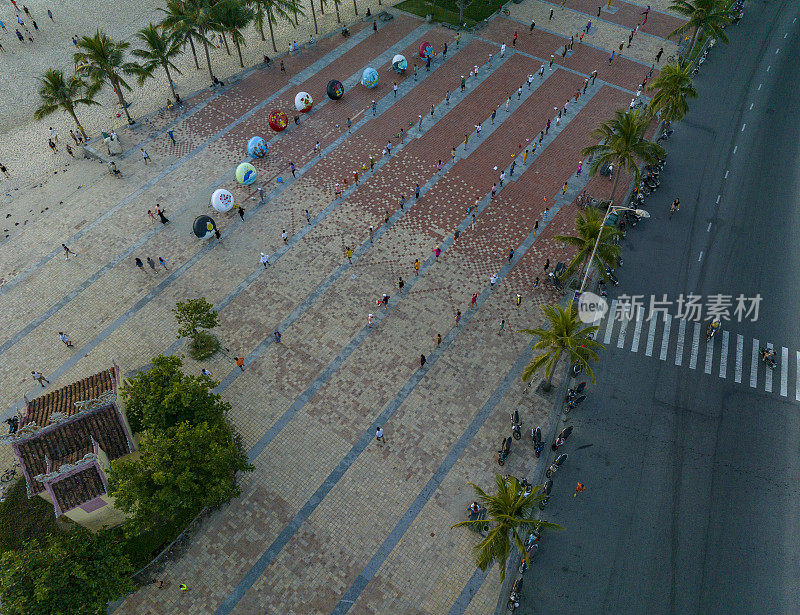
column 683, row 343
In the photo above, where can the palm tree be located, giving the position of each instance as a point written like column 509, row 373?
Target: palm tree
column 567, row 334
column 508, row 512
column 233, row 17
column 159, row 48
column 314, row 15
column 623, row 144
column 281, row 8
column 588, row 225
column 355, row 7
column 710, row 16
column 178, row 22
column 102, row 59
column 57, row 92
column 336, row 4
column 673, row 88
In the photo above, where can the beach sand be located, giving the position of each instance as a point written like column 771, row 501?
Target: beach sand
column 23, row 141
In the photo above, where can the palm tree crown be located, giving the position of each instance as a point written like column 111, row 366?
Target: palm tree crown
column 588, row 224
column 509, row 512
column 708, row 16
column 623, row 143
column 58, row 92
column 274, row 9
column 233, row 17
column 102, row 60
column 159, row 48
column 673, row 87
column 179, row 22
column 567, row 334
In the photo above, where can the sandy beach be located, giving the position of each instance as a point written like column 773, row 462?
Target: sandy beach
column 23, row 146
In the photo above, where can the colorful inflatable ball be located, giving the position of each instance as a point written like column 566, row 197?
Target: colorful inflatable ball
column 245, row 174
column 203, row 227
column 425, row 50
column 335, row 89
column 278, row 120
column 369, row 78
column 222, row 200
column 256, row 147
column 303, row 102
column 399, row 63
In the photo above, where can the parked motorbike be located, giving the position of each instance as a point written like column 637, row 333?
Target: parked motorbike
column 504, row 452
column 538, row 444
column 516, row 430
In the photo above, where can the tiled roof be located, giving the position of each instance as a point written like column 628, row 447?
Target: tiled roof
column 63, row 400
column 62, row 444
column 78, row 488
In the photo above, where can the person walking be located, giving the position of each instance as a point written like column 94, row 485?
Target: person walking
column 371, row 232
column 370, row 320
column 422, row 361
column 494, row 113
column 502, row 178
column 502, row 326
column 145, row 156
column 67, row 251
column 374, row 108
column 494, row 190
column 171, row 135
column 458, row 317
column 510, row 255
column 493, row 280
column 533, row 25
column 394, row 87
column 416, row 267
column 162, row 263
column 546, row 264
column 292, row 169
column 438, row 339
column 239, row 362
column 474, row 301
column 139, row 264
column 379, row 435
column 65, row 339
column 39, row 377
column 400, row 284
column 385, row 302
column 160, row 213
column 436, row 252
column 285, row 237
column 240, row 211
column 264, row 259
column 348, row 251
column 152, row 264
column 519, row 299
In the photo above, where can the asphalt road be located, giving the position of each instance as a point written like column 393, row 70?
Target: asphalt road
column 692, row 502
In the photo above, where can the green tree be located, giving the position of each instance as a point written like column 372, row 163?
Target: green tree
column 509, row 512
column 588, row 224
column 58, row 92
column 160, row 47
column 623, row 144
column 673, row 87
column 275, row 9
column 233, row 18
column 179, row 472
column 77, row 573
column 164, row 396
column 193, row 19
column 194, row 315
column 566, row 334
column 707, row 16
column 178, row 21
column 103, row 60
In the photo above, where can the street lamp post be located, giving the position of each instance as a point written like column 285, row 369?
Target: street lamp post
column 639, row 212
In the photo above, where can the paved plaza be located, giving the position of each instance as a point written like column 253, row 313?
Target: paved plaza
column 331, row 520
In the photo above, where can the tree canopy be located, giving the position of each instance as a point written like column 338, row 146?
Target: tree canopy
column 76, row 573
column 164, row 396
column 179, row 472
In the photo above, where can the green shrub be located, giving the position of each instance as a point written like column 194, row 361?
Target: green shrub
column 203, row 345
